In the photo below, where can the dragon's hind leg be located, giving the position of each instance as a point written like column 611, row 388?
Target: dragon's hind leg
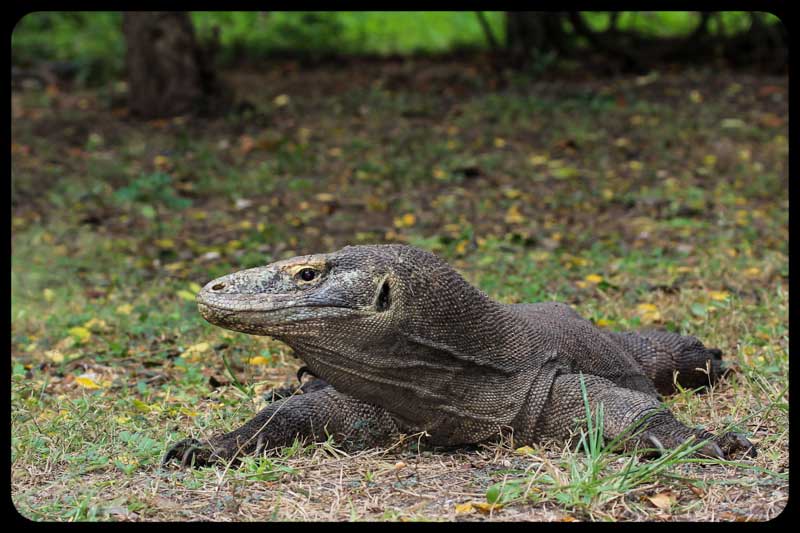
column 662, row 354
column 637, row 419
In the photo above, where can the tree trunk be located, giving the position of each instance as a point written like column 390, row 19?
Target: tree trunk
column 532, row 33
column 169, row 73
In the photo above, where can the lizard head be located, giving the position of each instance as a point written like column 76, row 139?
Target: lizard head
column 299, row 297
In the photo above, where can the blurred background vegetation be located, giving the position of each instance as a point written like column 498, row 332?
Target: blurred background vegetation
column 93, row 42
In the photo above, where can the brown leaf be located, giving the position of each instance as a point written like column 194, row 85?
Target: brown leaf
column 663, row 500
column 697, row 491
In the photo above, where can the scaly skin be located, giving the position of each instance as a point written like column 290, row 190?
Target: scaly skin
column 401, row 343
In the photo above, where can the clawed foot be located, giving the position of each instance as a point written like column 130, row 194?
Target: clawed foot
column 194, row 453
column 189, row 452
column 736, row 445
column 729, row 446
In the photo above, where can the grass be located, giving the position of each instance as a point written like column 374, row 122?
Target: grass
column 643, row 202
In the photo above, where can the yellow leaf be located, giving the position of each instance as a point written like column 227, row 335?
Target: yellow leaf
column 649, row 313
column 608, row 194
column 524, row 450
column 695, row 96
column 194, row 287
column 486, row 508
column 193, row 353
column 463, row 508
column 80, row 334
column 594, row 278
column 259, row 360
column 86, row 382
column 122, row 419
column 405, row 221
column 281, row 100
column 55, row 356
column 325, row 197
column 124, row 309
column 161, row 162
column 186, row 295
column 719, row 295
column 752, row 272
column 165, row 243
column 603, row 323
column 499, row 142
column 439, row 174
column 512, row 193
column 141, row 406
column 96, row 324
column 581, row 284
column 49, row 295
column 245, row 224
column 461, row 247
column 513, row 216
column 537, row 160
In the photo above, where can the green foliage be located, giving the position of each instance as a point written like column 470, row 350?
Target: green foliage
column 94, row 41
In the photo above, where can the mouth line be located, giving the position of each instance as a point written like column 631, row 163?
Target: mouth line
column 275, row 309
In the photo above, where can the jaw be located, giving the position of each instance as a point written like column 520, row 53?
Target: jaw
column 271, row 320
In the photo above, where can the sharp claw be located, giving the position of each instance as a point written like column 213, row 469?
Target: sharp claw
column 712, row 449
column 303, row 370
column 187, row 455
column 656, row 443
column 168, row 457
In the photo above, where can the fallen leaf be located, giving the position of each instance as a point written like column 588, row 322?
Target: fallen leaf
column 87, row 382
column 55, row 356
column 513, row 216
column 193, row 353
column 124, row 309
column 486, row 507
column 718, row 295
column 594, row 278
column 697, row 491
column 463, row 508
column 186, row 295
column 648, row 312
column 405, row 221
column 80, row 334
column 663, row 500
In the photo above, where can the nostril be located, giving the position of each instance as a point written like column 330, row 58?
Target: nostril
column 218, row 287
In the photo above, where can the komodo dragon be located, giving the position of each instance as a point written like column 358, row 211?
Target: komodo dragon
column 399, row 343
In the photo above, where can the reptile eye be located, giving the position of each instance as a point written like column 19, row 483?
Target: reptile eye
column 307, row 274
